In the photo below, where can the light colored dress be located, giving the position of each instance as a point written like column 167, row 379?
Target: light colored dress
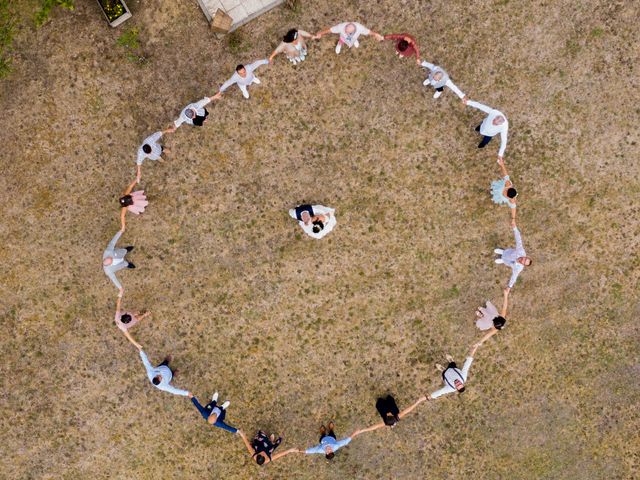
column 485, row 322
column 139, row 202
column 497, row 189
column 125, row 326
column 295, row 52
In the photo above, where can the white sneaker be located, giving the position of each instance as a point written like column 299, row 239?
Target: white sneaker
column 499, row 251
column 426, row 82
column 499, row 261
column 338, row 47
column 225, row 405
column 356, row 43
column 215, row 397
column 245, row 94
column 437, row 94
column 256, row 80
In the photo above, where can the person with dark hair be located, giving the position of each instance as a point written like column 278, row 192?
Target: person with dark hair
column 438, row 78
column 262, row 446
column 161, row 375
column 214, row 414
column 244, row 77
column 315, row 220
column 126, row 320
column 349, row 33
column 113, row 260
column 195, row 114
column 494, row 123
column 406, row 45
column 391, row 415
column 454, row 379
column 329, row 445
column 293, row 45
column 134, row 202
column 514, row 258
column 503, row 191
column 488, row 317
column 151, row 149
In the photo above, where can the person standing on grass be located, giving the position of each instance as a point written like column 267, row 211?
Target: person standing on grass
column 126, row 320
column 151, row 149
column 494, row 123
column 113, row 260
column 329, row 445
column 503, row 191
column 406, row 45
column 391, row 415
column 214, row 414
column 514, row 258
column 438, row 78
column 161, row 375
column 134, row 202
column 315, row 220
column 454, row 379
column 244, row 77
column 262, row 446
column 349, row 33
column 195, row 114
column 293, row 45
column 488, row 318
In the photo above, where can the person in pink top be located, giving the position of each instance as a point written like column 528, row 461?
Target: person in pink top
column 135, row 202
column 126, row 320
column 406, row 45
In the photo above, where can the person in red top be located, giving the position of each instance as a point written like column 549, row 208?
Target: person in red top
column 406, row 45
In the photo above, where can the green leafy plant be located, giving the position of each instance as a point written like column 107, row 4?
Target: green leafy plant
column 130, row 42
column 7, row 24
column 113, row 9
column 46, row 6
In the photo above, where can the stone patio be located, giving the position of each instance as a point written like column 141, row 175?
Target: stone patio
column 242, row 11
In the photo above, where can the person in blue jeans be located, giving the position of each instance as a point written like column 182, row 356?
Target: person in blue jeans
column 214, row 414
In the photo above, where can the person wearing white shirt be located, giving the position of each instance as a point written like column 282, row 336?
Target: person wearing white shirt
column 454, row 378
column 494, row 123
column 438, row 78
column 195, row 113
column 151, row 149
column 515, row 258
column 349, row 33
column 315, row 220
column 113, row 260
column 161, row 375
column 244, row 77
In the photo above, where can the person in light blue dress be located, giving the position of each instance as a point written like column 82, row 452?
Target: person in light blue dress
column 503, row 191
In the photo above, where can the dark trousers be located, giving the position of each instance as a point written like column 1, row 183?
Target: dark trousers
column 387, row 405
column 440, row 89
column 303, row 208
column 198, row 121
column 485, row 139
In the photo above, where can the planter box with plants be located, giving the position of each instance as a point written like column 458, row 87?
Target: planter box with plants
column 116, row 11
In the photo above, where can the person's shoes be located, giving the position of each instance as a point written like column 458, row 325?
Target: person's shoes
column 499, row 261
column 245, row 95
column 130, row 265
column 330, row 426
column 338, row 48
column 449, row 358
column 482, row 145
column 439, row 367
column 129, row 248
column 168, row 359
column 175, row 372
column 214, row 398
column 426, row 82
column 499, row 251
column 356, row 43
column 256, row 80
column 437, row 94
column 323, row 430
column 478, row 128
column 225, row 405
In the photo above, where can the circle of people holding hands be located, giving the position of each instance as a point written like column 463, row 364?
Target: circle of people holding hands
column 317, row 221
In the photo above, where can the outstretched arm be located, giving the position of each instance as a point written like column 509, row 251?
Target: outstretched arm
column 138, row 173
column 130, row 338
column 246, row 442
column 505, row 303
column 484, row 339
column 123, row 222
column 372, row 428
column 322, row 33
column 282, row 454
column 408, row 410
column 503, row 169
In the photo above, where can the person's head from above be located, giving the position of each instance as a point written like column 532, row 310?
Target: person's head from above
column 459, row 385
column 499, row 120
column 240, row 70
column 350, row 29
column 329, row 453
column 125, row 318
column 526, row 261
column 107, row 261
column 190, row 113
column 290, row 36
column 499, row 322
column 211, row 419
column 146, row 148
column 261, row 458
column 403, row 45
column 157, row 379
column 438, row 76
column 390, row 419
column 126, row 201
column 317, row 226
column 512, row 192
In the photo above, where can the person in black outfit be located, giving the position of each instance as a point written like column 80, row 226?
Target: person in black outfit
column 262, row 447
column 391, row 415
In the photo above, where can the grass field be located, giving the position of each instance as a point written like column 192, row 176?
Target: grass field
column 295, row 331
